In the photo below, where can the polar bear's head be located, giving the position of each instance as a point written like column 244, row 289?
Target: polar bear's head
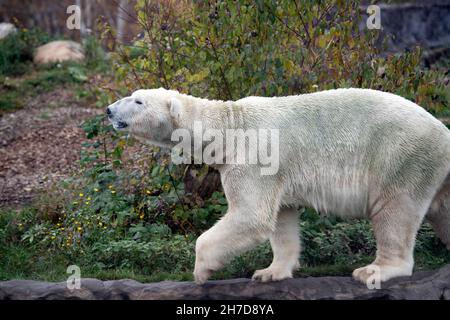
column 147, row 114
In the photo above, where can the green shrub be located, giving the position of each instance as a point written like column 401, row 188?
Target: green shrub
column 231, row 49
column 95, row 55
column 16, row 50
column 329, row 240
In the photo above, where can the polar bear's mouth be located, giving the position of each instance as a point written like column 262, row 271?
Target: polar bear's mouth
column 120, row 125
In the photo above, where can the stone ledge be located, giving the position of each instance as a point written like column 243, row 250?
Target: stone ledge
column 422, row 285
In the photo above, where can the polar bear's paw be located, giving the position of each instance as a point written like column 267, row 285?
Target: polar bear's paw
column 381, row 273
column 272, row 274
column 201, row 276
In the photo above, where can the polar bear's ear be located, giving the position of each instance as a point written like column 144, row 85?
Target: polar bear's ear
column 176, row 108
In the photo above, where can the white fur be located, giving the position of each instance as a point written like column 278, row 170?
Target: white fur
column 351, row 152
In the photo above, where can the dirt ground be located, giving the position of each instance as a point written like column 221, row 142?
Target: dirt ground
column 40, row 144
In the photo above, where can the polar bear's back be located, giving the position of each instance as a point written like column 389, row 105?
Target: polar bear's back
column 360, row 112
column 352, row 103
column 338, row 146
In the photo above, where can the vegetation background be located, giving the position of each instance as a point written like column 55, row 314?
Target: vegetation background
column 125, row 211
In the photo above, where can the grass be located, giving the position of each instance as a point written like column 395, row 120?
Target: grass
column 22, row 262
column 15, row 92
column 171, row 257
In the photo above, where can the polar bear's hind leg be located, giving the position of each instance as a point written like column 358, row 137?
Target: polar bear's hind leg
column 441, row 223
column 395, row 227
column 439, row 213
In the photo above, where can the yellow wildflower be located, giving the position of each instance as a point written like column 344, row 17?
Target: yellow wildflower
column 81, row 194
column 96, row 190
column 113, row 191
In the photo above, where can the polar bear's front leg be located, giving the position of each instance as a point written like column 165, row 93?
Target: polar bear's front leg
column 225, row 240
column 285, row 242
column 251, row 218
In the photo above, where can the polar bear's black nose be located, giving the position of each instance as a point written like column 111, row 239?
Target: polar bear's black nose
column 108, row 112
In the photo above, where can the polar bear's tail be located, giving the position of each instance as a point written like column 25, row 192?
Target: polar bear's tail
column 439, row 213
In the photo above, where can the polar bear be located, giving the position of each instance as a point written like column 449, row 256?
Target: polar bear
column 350, row 152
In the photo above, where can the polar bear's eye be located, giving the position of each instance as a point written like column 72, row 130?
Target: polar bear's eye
column 138, row 101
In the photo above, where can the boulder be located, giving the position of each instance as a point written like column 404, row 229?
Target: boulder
column 6, row 29
column 430, row 285
column 58, row 51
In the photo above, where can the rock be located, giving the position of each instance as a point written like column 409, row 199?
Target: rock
column 413, row 24
column 58, row 51
column 430, row 285
column 6, row 29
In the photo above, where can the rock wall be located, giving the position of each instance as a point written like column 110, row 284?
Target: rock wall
column 426, row 24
